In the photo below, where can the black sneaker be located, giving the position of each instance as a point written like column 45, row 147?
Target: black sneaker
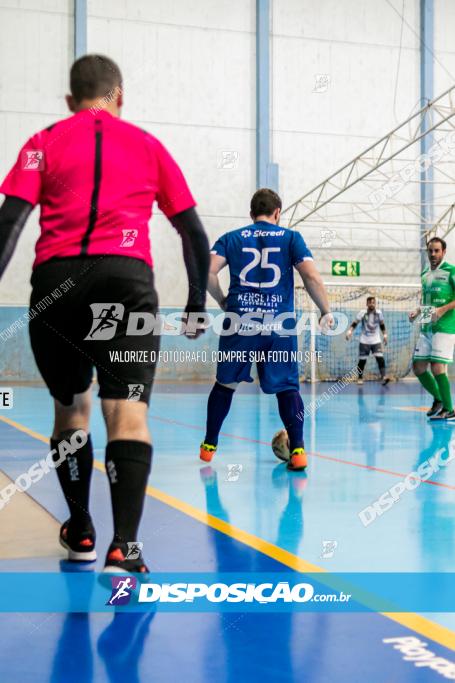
column 117, row 562
column 80, row 543
column 449, row 415
column 385, row 381
column 442, row 415
column 435, row 409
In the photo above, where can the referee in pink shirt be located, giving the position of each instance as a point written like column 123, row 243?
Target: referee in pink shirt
column 96, row 178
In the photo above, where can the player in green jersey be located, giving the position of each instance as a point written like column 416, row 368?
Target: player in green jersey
column 437, row 338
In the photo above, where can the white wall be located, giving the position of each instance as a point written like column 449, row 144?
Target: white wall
column 189, row 71
column 444, row 55
column 35, row 57
column 373, row 85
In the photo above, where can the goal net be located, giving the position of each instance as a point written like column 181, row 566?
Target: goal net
column 337, row 357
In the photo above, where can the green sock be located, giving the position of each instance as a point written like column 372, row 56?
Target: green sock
column 429, row 383
column 444, row 390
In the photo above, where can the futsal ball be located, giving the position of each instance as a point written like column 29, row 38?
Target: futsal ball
column 280, row 445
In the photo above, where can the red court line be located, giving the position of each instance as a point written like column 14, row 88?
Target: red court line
column 400, row 475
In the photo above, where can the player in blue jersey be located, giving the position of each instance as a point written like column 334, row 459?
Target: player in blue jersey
column 260, row 322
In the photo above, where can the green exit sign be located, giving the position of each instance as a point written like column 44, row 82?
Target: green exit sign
column 347, row 268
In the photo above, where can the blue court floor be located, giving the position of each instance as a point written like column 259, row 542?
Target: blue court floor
column 260, row 518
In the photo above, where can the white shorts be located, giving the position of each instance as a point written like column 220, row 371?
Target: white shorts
column 436, row 347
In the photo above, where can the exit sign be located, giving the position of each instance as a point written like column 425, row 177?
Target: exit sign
column 347, row 268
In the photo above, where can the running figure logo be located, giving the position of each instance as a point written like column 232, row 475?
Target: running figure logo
column 328, row 549
column 327, row 237
column 228, row 159
column 234, row 471
column 425, row 314
column 129, row 238
column 321, row 83
column 106, row 317
column 122, row 587
column 134, row 550
column 135, row 392
column 33, row 160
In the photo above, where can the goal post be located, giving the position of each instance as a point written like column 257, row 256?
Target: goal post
column 333, row 357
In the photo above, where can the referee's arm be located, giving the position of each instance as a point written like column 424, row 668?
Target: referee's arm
column 197, row 259
column 13, row 215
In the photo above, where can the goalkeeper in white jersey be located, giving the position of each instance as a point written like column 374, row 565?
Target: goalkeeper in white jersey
column 372, row 324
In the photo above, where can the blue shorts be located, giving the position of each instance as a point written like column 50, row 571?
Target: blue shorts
column 274, row 375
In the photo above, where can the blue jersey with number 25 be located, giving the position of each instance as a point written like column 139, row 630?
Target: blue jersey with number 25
column 261, row 258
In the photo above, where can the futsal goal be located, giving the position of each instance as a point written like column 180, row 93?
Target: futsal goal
column 329, row 358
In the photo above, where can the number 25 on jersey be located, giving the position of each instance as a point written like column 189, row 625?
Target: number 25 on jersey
column 260, row 257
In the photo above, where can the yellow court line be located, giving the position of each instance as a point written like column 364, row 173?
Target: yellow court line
column 26, row 430
column 415, row 622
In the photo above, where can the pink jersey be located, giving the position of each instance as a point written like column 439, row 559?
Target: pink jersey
column 95, row 178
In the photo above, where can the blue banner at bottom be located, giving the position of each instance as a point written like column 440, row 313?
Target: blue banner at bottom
column 227, row 592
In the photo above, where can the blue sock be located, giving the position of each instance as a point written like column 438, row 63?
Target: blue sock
column 290, row 406
column 218, row 406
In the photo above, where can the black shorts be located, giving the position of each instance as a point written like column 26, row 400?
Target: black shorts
column 79, row 313
column 366, row 349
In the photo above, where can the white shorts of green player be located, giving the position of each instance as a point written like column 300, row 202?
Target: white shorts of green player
column 435, row 347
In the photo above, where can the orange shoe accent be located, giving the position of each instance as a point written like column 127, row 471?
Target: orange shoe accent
column 298, row 461
column 86, row 543
column 207, row 452
column 116, row 555
column 205, row 455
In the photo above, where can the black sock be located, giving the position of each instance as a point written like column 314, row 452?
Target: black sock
column 361, row 367
column 218, row 406
column 74, row 474
column 128, row 465
column 290, row 407
column 381, row 365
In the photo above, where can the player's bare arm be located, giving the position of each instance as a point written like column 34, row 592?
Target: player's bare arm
column 316, row 289
column 351, row 329
column 442, row 310
column 217, row 263
column 414, row 314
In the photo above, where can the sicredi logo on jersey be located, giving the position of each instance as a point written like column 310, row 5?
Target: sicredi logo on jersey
column 262, row 233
